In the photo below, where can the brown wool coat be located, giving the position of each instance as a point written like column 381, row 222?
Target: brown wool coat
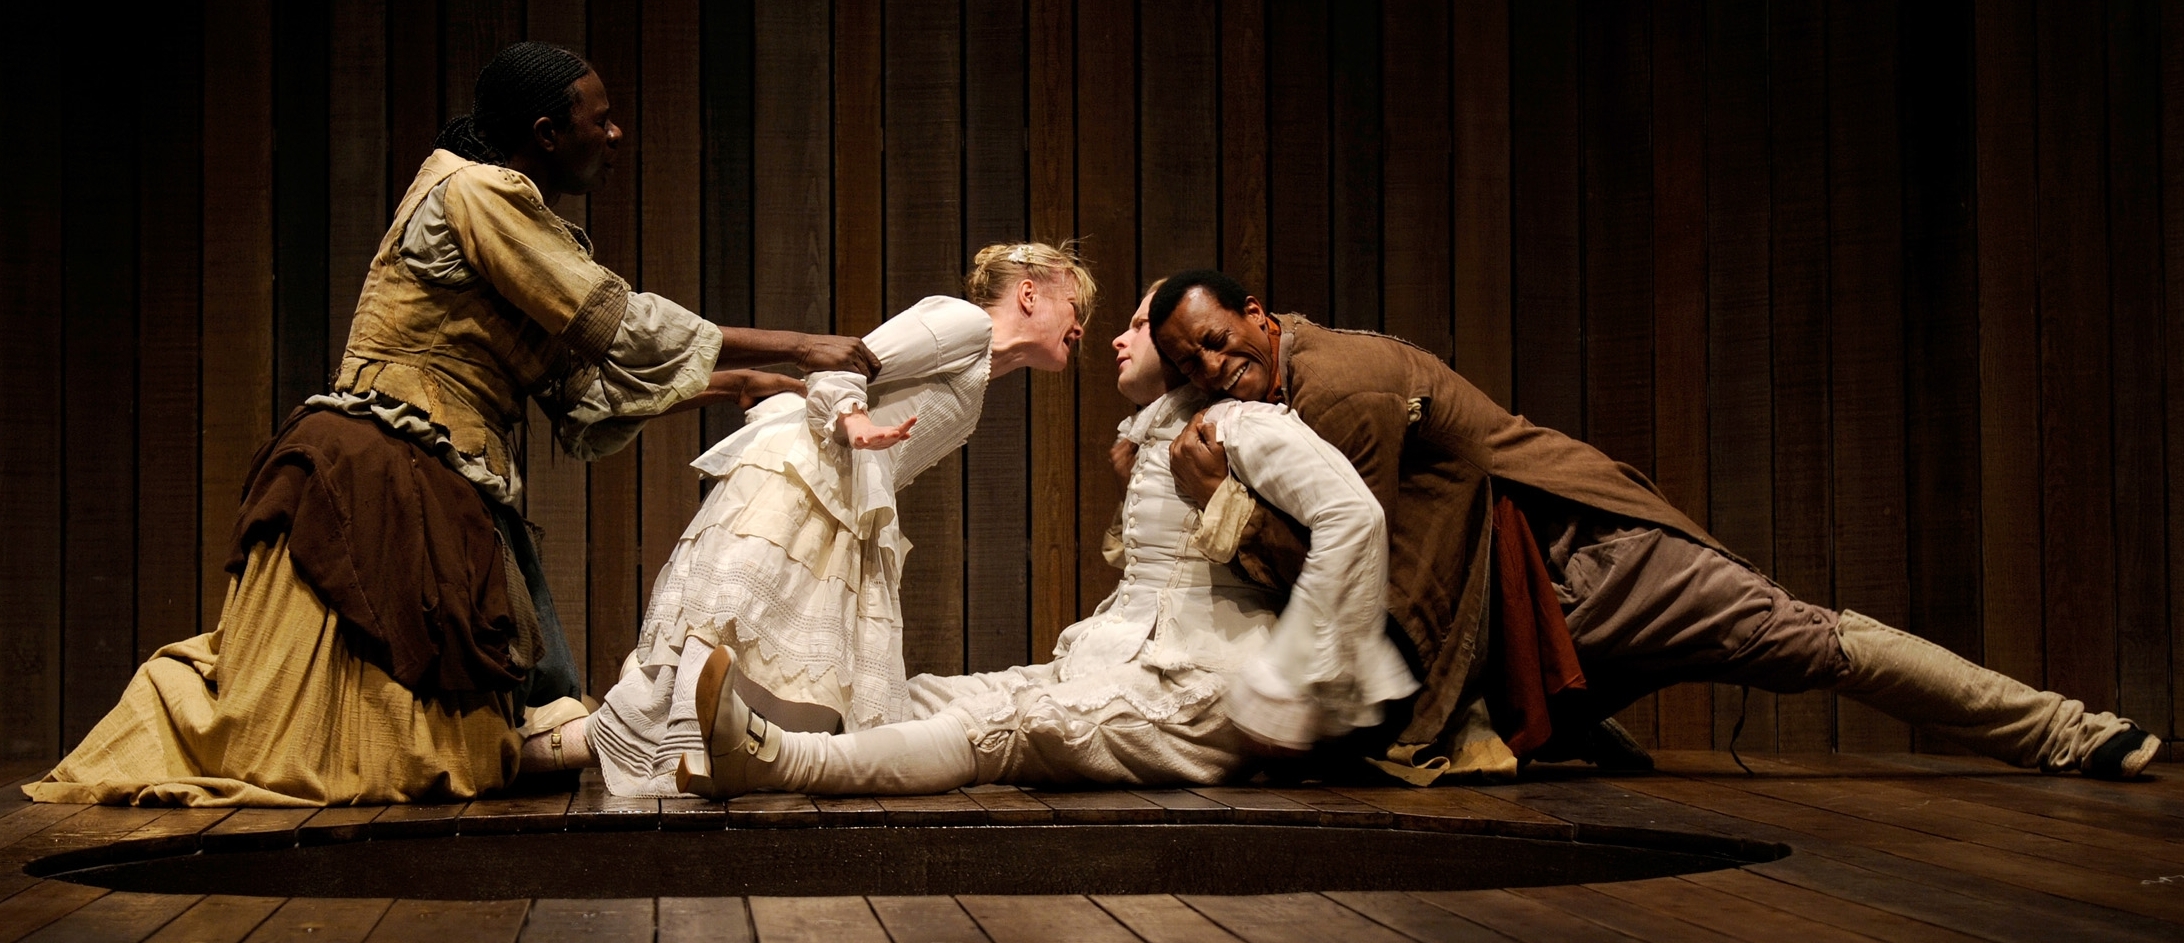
column 1429, row 445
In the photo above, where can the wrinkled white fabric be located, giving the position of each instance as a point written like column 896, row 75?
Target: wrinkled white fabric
column 795, row 558
column 934, row 361
column 906, row 758
column 1329, row 664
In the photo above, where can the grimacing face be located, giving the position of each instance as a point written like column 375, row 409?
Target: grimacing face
column 1055, row 320
column 1219, row 350
column 1140, row 374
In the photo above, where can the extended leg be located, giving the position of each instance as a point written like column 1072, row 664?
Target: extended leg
column 746, row 752
column 1653, row 609
column 1915, row 680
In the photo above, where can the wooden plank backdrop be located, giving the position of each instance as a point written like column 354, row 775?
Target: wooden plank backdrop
column 1798, row 334
column 1889, row 294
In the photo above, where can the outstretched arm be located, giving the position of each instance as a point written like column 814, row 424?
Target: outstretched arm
column 754, row 347
column 745, row 388
column 933, row 337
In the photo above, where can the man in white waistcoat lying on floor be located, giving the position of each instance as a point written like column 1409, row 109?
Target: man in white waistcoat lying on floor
column 1181, row 676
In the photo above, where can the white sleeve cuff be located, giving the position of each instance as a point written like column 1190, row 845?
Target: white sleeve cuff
column 1270, row 709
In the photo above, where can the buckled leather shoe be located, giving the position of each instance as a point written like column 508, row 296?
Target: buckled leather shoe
column 738, row 742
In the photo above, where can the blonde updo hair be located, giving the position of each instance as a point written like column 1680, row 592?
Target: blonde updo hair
column 997, row 269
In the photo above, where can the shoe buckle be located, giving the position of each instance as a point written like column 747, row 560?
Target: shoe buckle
column 754, row 733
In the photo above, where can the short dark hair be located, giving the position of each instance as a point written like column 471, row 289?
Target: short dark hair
column 1225, row 290
column 523, row 83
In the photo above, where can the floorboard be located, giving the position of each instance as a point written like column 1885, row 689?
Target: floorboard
column 220, row 918
column 925, row 920
column 1034, row 919
column 704, row 920
column 1989, row 860
column 1630, row 918
column 40, row 904
column 1997, row 910
column 1415, row 918
column 1893, row 847
column 1914, row 799
column 322, row 920
column 1291, row 918
column 1996, row 794
column 1723, row 914
column 2141, row 800
column 256, row 828
column 816, row 920
column 338, row 824
column 607, row 921
column 120, row 917
column 1821, row 908
column 1521, row 918
column 439, row 921
column 1161, row 918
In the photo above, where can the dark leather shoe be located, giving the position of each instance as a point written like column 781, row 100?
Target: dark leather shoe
column 1605, row 745
column 1610, row 747
column 2122, row 756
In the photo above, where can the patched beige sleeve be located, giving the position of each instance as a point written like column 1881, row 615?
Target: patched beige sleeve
column 508, row 235
column 1221, row 524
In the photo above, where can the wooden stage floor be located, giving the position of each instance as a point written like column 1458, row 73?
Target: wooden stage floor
column 1883, row 848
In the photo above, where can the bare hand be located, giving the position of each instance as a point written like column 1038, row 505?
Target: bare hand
column 831, row 352
column 1199, row 461
column 750, row 386
column 1123, row 455
column 862, row 434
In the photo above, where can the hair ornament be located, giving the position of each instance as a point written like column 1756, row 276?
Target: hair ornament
column 1021, row 254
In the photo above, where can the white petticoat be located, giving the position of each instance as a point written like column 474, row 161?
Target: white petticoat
column 793, row 561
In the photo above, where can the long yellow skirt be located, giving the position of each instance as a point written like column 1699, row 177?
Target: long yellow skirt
column 273, row 709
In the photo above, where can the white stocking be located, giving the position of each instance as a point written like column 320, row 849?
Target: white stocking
column 538, row 755
column 908, row 758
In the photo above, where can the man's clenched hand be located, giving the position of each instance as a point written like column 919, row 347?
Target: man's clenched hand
column 1199, row 461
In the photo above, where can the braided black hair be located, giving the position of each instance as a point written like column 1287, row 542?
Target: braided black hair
column 523, row 83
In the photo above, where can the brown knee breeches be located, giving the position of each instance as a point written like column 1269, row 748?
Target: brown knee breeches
column 1648, row 608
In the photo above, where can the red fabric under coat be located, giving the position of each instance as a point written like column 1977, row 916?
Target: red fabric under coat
column 1531, row 655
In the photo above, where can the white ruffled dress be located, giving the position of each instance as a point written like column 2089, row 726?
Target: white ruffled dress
column 795, row 558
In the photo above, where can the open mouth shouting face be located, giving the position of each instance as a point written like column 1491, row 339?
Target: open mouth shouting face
column 1220, row 350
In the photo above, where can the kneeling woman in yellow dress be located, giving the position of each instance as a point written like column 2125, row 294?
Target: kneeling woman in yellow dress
column 389, row 624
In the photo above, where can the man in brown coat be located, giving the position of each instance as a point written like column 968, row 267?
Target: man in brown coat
column 1649, row 598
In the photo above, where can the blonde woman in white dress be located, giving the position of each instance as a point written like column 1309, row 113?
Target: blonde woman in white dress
column 794, row 562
